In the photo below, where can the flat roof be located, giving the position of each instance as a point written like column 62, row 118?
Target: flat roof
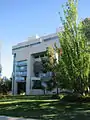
column 33, row 40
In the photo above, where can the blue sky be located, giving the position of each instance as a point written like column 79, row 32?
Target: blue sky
column 20, row 19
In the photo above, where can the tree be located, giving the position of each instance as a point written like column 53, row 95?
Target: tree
column 86, row 28
column 49, row 65
column 49, row 61
column 74, row 64
column 37, row 68
column 5, row 86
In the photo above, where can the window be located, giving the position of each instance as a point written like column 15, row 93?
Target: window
column 21, row 70
column 35, row 43
column 21, row 73
column 36, row 56
column 51, row 38
column 19, row 78
column 20, row 47
column 21, row 63
column 42, row 55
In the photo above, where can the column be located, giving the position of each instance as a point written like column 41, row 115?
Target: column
column 28, row 76
column 15, row 87
column 14, row 83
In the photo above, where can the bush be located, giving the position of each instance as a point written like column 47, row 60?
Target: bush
column 55, row 96
column 75, row 98
column 70, row 98
column 5, row 87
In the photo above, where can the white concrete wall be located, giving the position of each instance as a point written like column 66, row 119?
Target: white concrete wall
column 30, row 74
column 31, row 66
column 41, row 92
column 37, row 92
column 22, row 54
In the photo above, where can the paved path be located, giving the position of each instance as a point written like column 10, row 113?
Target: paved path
column 10, row 118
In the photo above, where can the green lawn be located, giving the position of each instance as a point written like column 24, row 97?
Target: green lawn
column 43, row 108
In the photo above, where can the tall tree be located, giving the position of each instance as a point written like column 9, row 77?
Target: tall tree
column 49, row 65
column 50, row 60
column 74, row 64
column 86, row 28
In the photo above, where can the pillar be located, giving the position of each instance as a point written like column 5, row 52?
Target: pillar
column 15, row 88
column 30, row 74
column 14, row 83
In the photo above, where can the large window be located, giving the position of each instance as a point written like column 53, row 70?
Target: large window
column 21, row 68
column 21, row 63
column 21, row 71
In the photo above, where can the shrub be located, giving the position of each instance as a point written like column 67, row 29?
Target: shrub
column 55, row 96
column 5, row 87
column 76, row 98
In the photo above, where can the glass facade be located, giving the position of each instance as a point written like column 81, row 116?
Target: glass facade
column 21, row 71
column 21, row 63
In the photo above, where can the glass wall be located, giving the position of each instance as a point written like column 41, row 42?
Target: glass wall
column 21, row 71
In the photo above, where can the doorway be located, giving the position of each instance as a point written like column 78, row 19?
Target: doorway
column 21, row 87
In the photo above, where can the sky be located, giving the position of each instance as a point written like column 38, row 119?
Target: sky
column 20, row 19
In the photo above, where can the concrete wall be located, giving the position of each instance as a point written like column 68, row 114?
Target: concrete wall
column 22, row 54
column 37, row 92
column 41, row 92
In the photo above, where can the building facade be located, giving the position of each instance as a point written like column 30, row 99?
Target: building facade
column 26, row 55
column 0, row 62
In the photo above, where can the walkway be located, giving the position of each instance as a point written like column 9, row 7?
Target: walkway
column 10, row 118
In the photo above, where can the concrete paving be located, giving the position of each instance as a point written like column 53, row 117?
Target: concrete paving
column 11, row 118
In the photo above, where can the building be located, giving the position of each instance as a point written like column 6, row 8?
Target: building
column 0, row 62
column 25, row 56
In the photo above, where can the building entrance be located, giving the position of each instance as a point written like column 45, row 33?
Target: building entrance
column 21, row 87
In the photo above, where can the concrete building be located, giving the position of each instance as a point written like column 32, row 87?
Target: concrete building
column 0, row 62
column 25, row 55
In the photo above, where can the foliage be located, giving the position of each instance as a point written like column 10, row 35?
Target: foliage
column 37, row 84
column 8, row 84
column 86, row 28
column 74, row 64
column 49, row 64
column 76, row 98
column 5, row 86
column 55, row 96
column 37, row 68
column 51, row 84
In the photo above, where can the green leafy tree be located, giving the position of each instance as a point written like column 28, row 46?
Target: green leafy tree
column 49, row 61
column 49, row 65
column 86, row 28
column 74, row 64
column 5, row 86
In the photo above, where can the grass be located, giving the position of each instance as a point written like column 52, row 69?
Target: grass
column 43, row 108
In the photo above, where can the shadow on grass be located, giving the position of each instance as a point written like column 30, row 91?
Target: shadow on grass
column 42, row 97
column 45, row 110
